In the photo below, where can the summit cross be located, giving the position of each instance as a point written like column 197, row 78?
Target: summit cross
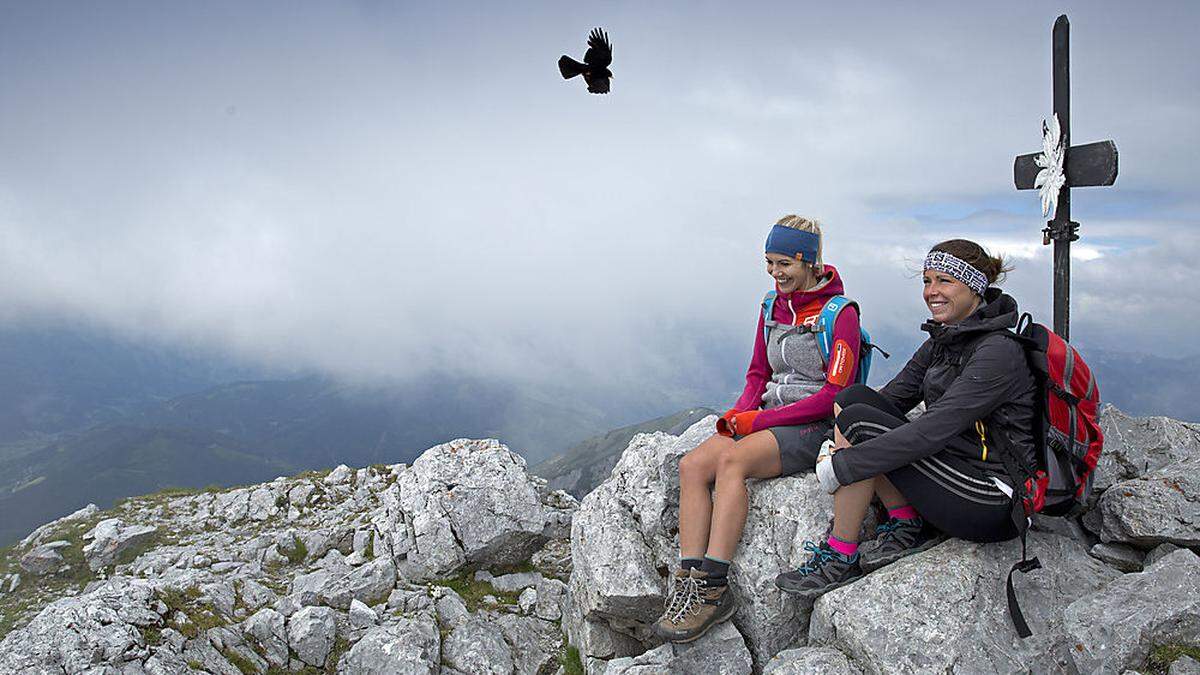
column 1089, row 165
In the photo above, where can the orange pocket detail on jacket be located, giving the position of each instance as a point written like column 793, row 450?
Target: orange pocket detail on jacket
column 841, row 364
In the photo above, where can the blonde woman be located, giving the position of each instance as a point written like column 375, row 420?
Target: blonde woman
column 776, row 427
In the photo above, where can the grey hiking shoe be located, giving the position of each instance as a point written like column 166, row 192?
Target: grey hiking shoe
column 896, row 539
column 825, row 571
column 694, row 606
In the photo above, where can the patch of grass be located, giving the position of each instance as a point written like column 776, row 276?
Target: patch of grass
column 370, row 550
column 472, row 592
column 201, row 616
column 195, row 665
column 240, row 662
column 1162, row 656
column 313, row 474
column 570, row 661
column 297, row 552
column 340, row 646
column 152, row 635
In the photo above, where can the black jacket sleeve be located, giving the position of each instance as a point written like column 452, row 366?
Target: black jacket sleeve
column 904, row 391
column 988, row 379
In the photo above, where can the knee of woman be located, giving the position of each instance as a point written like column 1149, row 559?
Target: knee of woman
column 729, row 462
column 691, row 467
column 846, row 397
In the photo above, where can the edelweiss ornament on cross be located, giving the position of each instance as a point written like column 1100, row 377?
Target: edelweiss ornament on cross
column 1060, row 167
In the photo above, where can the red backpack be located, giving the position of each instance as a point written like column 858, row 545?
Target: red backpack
column 1068, row 438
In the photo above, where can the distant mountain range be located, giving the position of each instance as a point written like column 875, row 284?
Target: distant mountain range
column 586, row 465
column 89, row 418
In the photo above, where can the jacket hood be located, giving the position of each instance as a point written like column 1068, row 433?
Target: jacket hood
column 829, row 286
column 998, row 313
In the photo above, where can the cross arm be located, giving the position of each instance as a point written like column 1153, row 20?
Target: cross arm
column 1087, row 166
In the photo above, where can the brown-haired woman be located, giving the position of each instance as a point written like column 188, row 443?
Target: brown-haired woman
column 944, row 469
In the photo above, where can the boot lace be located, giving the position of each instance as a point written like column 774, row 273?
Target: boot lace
column 685, row 600
column 820, row 556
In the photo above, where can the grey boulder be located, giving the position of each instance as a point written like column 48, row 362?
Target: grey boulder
column 1114, row 627
column 1162, row 507
column 945, row 609
column 721, row 651
column 112, row 537
column 1136, row 446
column 406, row 646
column 311, row 633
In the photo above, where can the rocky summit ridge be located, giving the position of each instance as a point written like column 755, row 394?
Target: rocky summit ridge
column 463, row 562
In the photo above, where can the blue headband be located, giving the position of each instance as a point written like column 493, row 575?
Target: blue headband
column 793, row 242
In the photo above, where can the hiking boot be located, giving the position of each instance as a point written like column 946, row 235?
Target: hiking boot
column 825, row 571
column 895, row 539
column 695, row 605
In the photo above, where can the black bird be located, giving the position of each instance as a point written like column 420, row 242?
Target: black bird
column 595, row 63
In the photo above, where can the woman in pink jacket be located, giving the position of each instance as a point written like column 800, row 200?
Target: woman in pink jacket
column 776, row 428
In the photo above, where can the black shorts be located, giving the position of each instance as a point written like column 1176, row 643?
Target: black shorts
column 799, row 444
column 950, row 493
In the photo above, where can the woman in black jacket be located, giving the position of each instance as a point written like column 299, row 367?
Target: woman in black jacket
column 945, row 468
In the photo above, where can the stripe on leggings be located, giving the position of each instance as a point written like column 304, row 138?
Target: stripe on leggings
column 862, row 430
column 969, row 493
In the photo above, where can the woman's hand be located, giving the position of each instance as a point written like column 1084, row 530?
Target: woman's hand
column 743, row 422
column 725, row 423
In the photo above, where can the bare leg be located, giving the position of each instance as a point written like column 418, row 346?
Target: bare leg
column 755, row 456
column 697, row 472
column 850, row 504
column 888, row 494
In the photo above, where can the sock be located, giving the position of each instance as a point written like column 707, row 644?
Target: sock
column 715, row 567
column 846, row 548
column 904, row 513
column 689, row 563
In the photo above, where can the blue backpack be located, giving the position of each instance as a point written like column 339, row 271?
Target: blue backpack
column 824, row 330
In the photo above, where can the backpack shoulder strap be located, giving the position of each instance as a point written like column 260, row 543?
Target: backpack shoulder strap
column 768, row 312
column 828, row 319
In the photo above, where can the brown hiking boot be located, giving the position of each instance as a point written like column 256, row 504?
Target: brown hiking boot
column 694, row 606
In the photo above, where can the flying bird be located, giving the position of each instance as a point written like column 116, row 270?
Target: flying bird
column 595, row 63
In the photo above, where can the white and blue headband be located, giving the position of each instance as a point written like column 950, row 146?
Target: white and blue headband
column 958, row 268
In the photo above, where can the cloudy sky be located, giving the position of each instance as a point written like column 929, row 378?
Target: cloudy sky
column 374, row 188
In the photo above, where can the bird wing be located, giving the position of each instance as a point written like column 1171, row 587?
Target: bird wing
column 599, row 53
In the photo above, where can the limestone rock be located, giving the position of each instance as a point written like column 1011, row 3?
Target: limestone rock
column 338, row 584
column 721, row 651
column 73, row 634
column 1114, row 627
column 408, row 645
column 952, row 614
column 1124, row 558
column 478, row 646
column 311, row 633
column 1184, row 665
column 44, row 559
column 1163, row 506
column 266, row 628
column 808, row 660
column 624, row 543
column 1137, row 446
column 470, row 501
column 362, row 616
column 1158, row 553
column 110, row 538
column 43, row 533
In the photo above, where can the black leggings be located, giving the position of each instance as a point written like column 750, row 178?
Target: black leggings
column 948, row 492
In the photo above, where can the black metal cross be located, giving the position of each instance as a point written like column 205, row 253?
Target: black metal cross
column 1083, row 165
